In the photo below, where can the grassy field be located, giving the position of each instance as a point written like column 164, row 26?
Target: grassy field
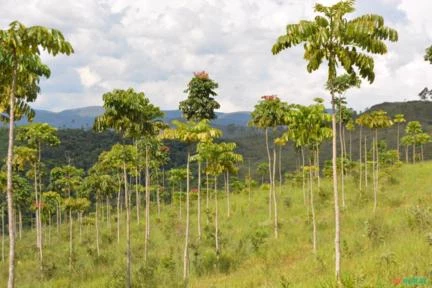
column 393, row 246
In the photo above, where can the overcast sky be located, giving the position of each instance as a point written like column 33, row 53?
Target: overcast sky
column 155, row 46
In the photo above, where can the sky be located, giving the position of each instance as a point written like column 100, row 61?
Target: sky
column 155, row 46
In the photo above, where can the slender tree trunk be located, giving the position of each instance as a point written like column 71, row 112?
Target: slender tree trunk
column 186, row 245
column 11, row 226
column 280, row 169
column 180, row 197
column 270, row 173
column 397, row 142
column 147, row 202
column 350, row 145
column 39, row 204
column 414, row 153
column 228, row 194
column 406, row 154
column 118, row 211
column 70, row 239
column 216, row 218
column 342, row 160
column 97, row 228
column 311, row 199
column 3, row 233
column 49, row 227
column 250, row 182
column 207, row 194
column 199, row 201
column 303, row 177
column 366, row 160
column 128, row 242
column 274, row 196
column 58, row 218
column 422, row 155
column 20, row 223
column 108, row 213
column 360, row 159
column 158, row 192
column 137, row 196
column 336, row 198
column 376, row 176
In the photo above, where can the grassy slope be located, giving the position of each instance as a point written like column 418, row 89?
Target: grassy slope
column 376, row 249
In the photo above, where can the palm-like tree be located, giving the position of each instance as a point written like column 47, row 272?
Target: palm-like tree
column 269, row 113
column 413, row 130
column 22, row 68
column 221, row 158
column 341, row 42
column 131, row 114
column 398, row 119
column 308, row 128
column 362, row 121
column 377, row 120
column 189, row 132
column 34, row 136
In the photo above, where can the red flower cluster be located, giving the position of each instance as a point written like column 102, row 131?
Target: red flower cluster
column 201, row 75
column 164, row 149
column 39, row 204
column 270, row 97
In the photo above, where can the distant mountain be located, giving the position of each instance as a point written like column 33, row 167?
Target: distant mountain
column 84, row 117
column 412, row 110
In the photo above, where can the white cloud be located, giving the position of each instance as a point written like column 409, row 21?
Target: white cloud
column 88, row 78
column 155, row 46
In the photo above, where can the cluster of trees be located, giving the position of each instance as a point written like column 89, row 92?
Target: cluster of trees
column 344, row 44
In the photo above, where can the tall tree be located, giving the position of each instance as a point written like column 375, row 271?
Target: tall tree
column 413, row 130
column 199, row 105
column 398, row 119
column 35, row 136
column 377, row 120
column 132, row 115
column 22, row 68
column 221, row 158
column 341, row 42
column 268, row 114
column 189, row 132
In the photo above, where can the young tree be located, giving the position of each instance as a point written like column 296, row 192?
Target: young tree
column 132, row 115
column 377, row 120
column 413, row 130
column 221, row 157
column 398, row 119
column 200, row 105
column 123, row 158
column 269, row 113
column 35, row 136
column 20, row 49
column 341, row 42
column 190, row 132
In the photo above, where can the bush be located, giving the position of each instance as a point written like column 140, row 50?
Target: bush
column 420, row 217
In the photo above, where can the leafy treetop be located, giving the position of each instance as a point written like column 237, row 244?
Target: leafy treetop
column 200, row 103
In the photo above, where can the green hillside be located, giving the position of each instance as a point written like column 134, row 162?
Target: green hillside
column 392, row 245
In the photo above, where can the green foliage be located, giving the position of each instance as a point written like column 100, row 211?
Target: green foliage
column 129, row 113
column 428, row 55
column 268, row 113
column 420, row 217
column 66, row 179
column 332, row 37
column 200, row 103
